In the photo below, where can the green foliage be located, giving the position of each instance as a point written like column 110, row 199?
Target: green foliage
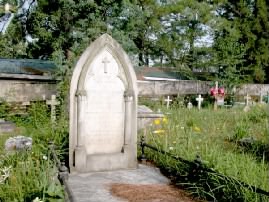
column 33, row 173
column 257, row 114
column 206, row 133
column 4, row 108
column 241, row 130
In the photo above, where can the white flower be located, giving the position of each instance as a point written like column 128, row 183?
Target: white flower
column 171, row 148
column 45, row 157
column 182, row 127
column 4, row 173
column 37, row 200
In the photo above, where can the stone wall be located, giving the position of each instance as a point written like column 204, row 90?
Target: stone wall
column 17, row 90
column 20, row 91
column 160, row 88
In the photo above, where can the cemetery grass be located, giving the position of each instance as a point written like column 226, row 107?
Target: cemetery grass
column 214, row 137
column 32, row 175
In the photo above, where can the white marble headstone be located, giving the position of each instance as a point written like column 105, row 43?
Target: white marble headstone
column 103, row 109
column 103, row 116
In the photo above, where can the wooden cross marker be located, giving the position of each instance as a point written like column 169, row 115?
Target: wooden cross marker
column 168, row 100
column 53, row 103
column 105, row 61
column 199, row 99
column 247, row 98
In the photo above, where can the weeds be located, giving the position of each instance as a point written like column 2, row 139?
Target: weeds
column 32, row 174
column 206, row 133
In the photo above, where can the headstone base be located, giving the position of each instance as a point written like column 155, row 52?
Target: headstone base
column 103, row 162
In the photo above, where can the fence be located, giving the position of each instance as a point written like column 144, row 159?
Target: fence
column 62, row 174
column 197, row 167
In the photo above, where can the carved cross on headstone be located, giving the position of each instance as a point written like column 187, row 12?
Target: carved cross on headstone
column 247, row 98
column 105, row 61
column 168, row 100
column 53, row 103
column 199, row 99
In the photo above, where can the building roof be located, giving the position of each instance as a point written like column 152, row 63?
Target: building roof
column 158, row 73
column 27, row 66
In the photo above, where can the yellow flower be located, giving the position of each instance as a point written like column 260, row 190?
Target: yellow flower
column 158, row 131
column 165, row 120
column 197, row 129
column 157, row 121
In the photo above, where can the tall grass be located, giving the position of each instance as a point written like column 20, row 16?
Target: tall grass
column 33, row 173
column 213, row 136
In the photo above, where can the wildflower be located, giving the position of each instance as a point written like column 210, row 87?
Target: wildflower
column 197, row 129
column 157, row 121
column 158, row 131
column 37, row 200
column 165, row 120
column 171, row 148
column 4, row 174
column 174, row 142
column 182, row 127
column 45, row 157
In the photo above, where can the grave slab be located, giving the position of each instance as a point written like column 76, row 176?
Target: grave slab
column 95, row 186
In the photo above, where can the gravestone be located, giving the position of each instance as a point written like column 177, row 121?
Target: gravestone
column 53, row 103
column 168, row 100
column 103, row 109
column 199, row 99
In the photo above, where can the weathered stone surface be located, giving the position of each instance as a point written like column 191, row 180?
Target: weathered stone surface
column 185, row 87
column 146, row 116
column 26, row 90
column 103, row 109
column 94, row 187
column 18, row 143
column 6, row 126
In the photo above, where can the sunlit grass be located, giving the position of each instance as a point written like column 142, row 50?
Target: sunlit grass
column 213, row 136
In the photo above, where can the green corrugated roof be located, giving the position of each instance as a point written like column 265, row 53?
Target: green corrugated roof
column 26, row 66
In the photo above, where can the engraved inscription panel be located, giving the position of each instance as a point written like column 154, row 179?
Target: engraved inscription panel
column 103, row 111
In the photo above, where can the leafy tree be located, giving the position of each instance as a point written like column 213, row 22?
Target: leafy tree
column 246, row 29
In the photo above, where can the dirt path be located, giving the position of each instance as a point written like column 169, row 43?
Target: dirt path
column 150, row 193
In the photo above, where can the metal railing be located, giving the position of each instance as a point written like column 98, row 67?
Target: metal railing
column 197, row 166
column 62, row 174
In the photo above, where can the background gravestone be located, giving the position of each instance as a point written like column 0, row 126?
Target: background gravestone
column 103, row 109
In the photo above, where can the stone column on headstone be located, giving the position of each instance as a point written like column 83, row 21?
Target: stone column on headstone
column 168, row 100
column 53, row 103
column 80, row 152
column 81, row 101
column 128, row 98
column 199, row 99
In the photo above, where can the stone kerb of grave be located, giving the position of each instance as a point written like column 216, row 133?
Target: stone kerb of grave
column 103, row 109
column 146, row 116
